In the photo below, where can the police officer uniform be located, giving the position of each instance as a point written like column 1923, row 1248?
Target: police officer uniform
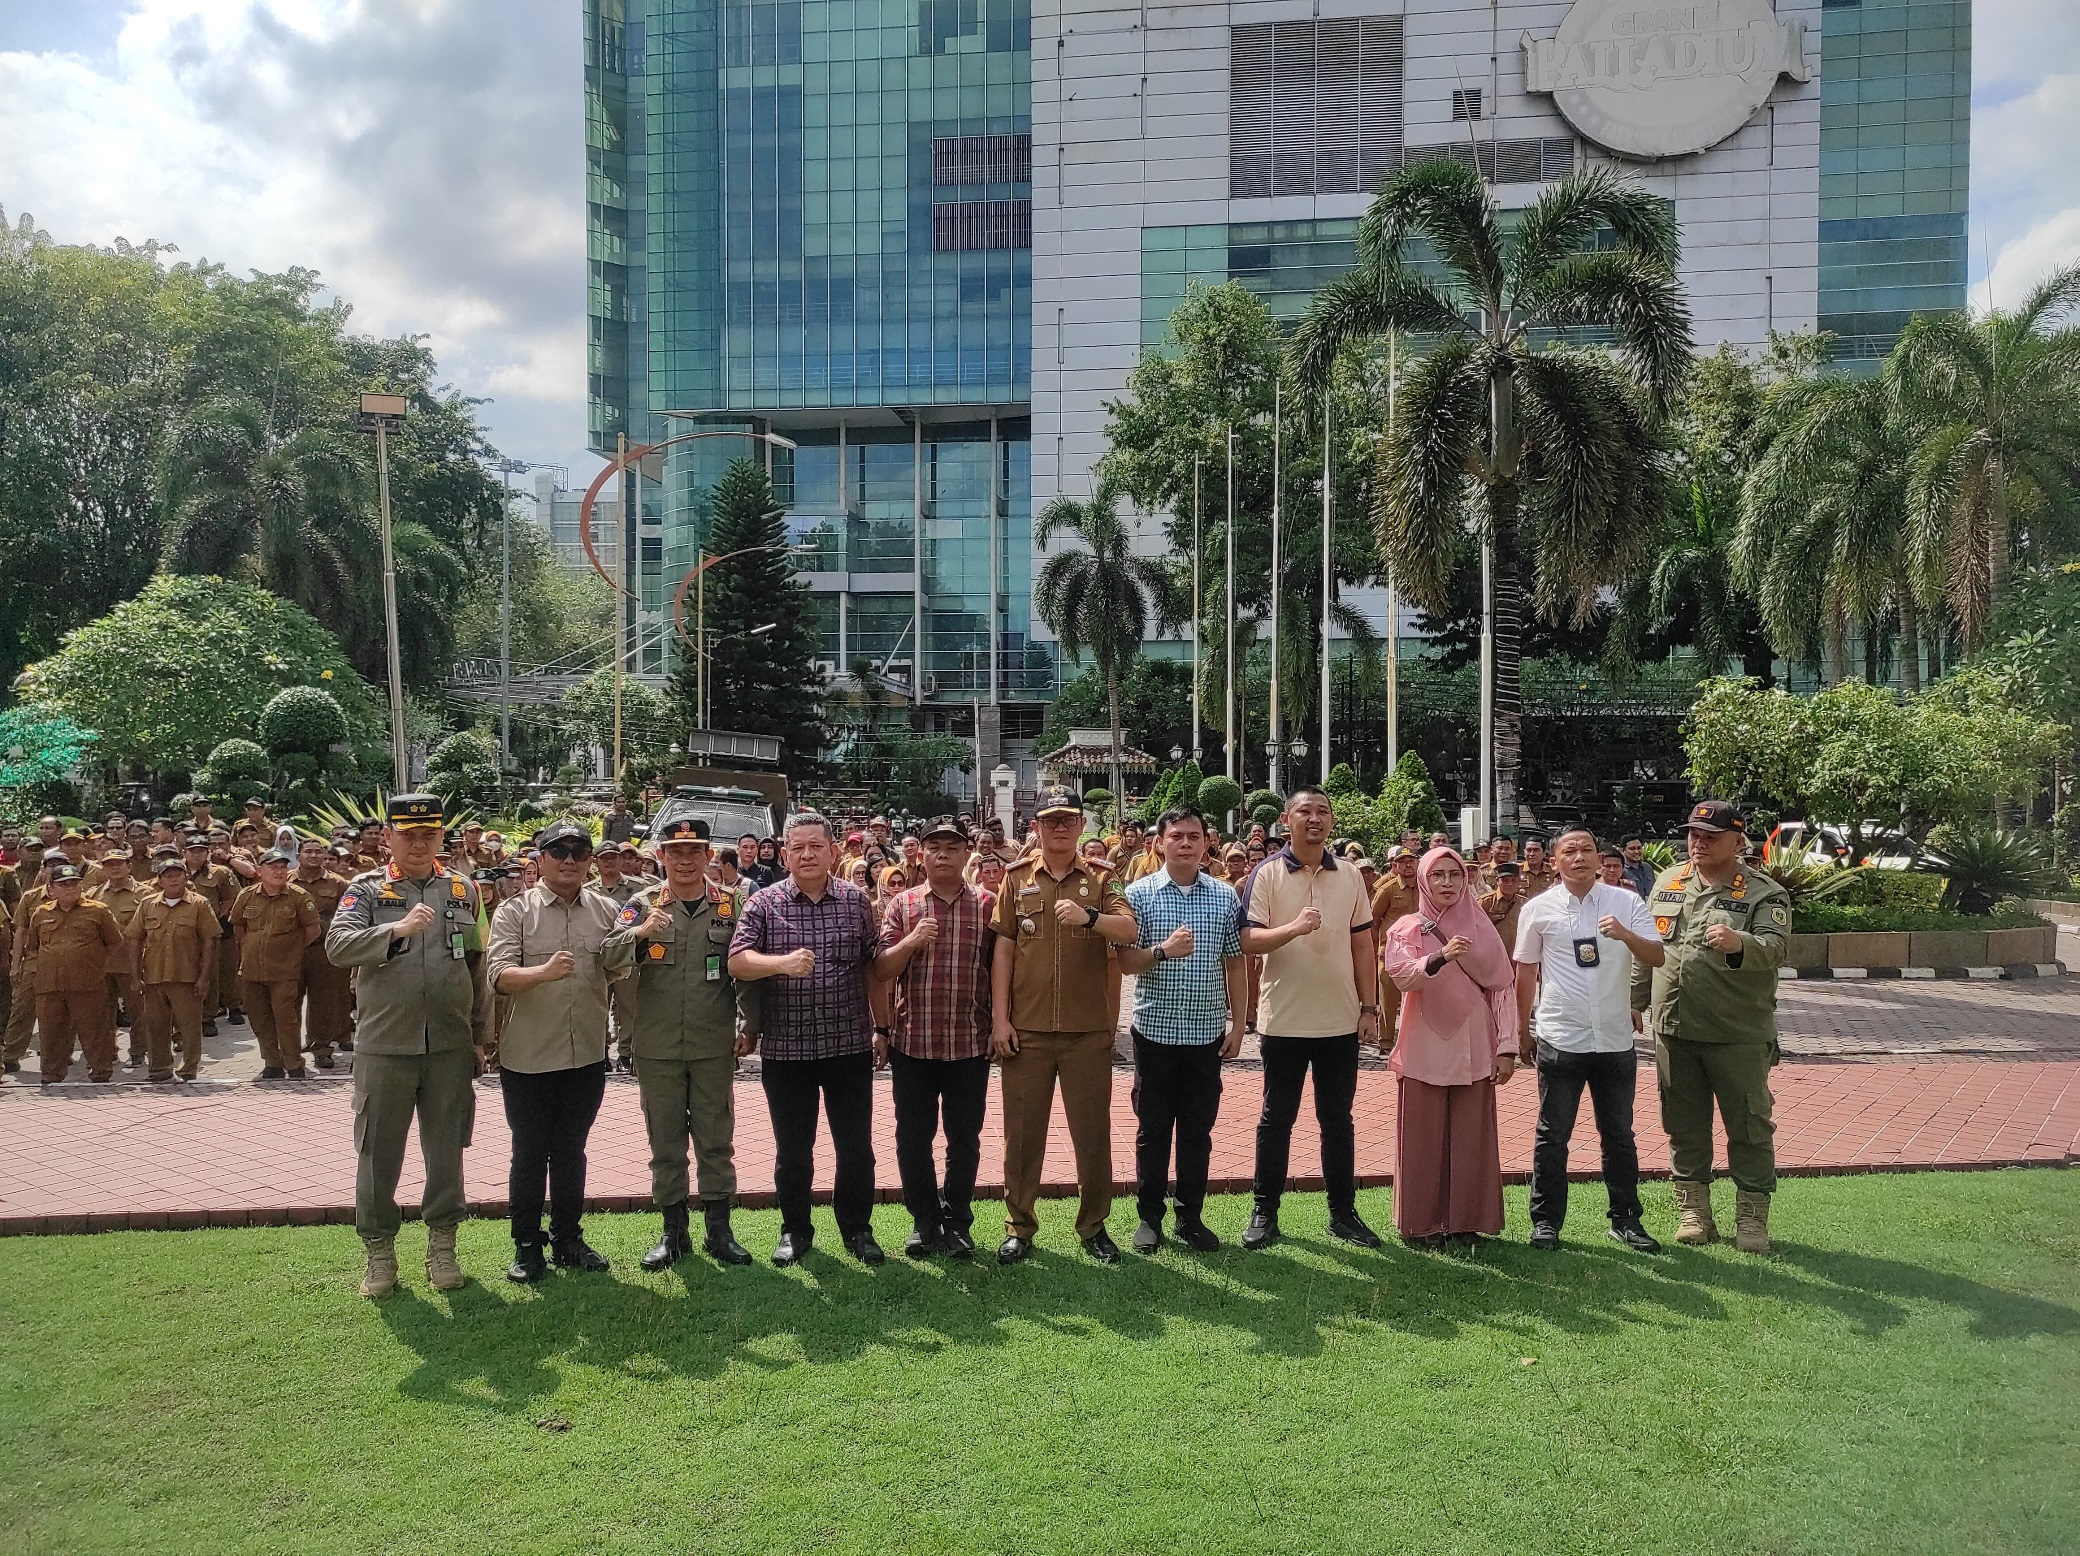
column 619, row 995
column 423, row 1012
column 682, row 1018
column 1713, row 1015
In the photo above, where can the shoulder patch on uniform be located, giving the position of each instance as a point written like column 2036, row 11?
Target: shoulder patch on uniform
column 1663, row 924
column 459, row 888
column 628, row 915
column 346, row 899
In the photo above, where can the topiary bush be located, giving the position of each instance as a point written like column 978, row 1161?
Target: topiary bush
column 1266, row 816
column 1409, row 799
column 235, row 771
column 463, row 770
column 307, row 720
column 1218, row 795
column 1259, row 798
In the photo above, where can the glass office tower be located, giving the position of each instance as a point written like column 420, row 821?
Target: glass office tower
column 814, row 217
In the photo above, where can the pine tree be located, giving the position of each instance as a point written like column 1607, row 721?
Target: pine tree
column 766, row 684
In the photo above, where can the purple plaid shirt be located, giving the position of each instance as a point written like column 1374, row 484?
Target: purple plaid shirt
column 825, row 1014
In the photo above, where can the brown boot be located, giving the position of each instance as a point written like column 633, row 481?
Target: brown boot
column 1694, row 1224
column 442, row 1272
column 381, row 1278
column 1750, row 1221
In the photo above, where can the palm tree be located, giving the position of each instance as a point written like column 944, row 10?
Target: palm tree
column 1688, row 581
column 1998, row 402
column 1559, row 443
column 1099, row 597
column 1823, row 538
column 244, row 500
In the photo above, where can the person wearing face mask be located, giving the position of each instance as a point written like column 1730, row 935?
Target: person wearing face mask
column 1458, row 1042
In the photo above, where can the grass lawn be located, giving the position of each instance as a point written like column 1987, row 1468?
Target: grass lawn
column 1903, row 1376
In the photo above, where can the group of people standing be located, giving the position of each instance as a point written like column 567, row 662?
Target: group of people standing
column 947, row 978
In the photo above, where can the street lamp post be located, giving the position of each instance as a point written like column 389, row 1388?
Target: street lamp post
column 1276, row 768
column 384, row 414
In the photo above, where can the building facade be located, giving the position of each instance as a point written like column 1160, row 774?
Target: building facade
column 926, row 240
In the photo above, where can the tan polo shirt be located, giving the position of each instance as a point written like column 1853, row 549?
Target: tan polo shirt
column 1309, row 987
column 560, row 1025
column 1058, row 981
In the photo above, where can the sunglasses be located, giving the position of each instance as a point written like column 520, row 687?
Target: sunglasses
column 567, row 851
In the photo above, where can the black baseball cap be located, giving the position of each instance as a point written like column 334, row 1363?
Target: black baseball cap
column 64, row 872
column 1507, row 867
column 277, row 856
column 685, row 829
column 563, row 832
column 409, row 811
column 943, row 826
column 1061, row 800
column 1714, row 816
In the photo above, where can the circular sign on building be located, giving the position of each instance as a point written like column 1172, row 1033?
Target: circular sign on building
column 1648, row 80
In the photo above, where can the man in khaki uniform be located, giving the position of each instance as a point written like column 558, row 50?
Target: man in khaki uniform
column 1713, row 1011
column 682, row 1019
column 1056, row 920
column 412, row 931
column 70, row 939
column 1504, row 901
column 214, row 883
column 618, row 882
column 275, row 922
column 121, row 893
column 328, row 990
column 21, row 972
column 175, row 943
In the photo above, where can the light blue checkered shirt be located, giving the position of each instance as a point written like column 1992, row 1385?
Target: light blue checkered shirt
column 1185, row 1001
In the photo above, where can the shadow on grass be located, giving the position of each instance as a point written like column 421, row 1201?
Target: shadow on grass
column 499, row 1348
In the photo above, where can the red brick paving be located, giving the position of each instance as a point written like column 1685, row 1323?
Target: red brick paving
column 235, row 1155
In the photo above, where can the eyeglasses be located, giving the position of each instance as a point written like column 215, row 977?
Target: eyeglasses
column 569, row 851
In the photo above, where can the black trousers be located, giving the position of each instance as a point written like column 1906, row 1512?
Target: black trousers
column 1610, row 1078
column 550, row 1115
column 1335, row 1064
column 927, row 1092
column 846, row 1086
column 1177, row 1091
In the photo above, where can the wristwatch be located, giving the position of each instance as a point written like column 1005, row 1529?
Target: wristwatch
column 1161, row 955
column 1368, row 1010
column 1090, row 917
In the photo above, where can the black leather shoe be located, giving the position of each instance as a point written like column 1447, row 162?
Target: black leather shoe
column 528, row 1265
column 1545, row 1237
column 1198, row 1236
column 299, row 1074
column 1148, row 1237
column 270, row 1072
column 1014, row 1249
column 674, row 1245
column 1101, row 1248
column 10, row 1067
column 237, row 1018
column 922, row 1244
column 1634, row 1236
column 861, row 1246
column 324, row 1061
column 1351, row 1227
column 209, row 1029
column 957, row 1243
column 574, row 1253
column 721, row 1244
column 1427, row 1242
column 1262, row 1230
column 790, row 1248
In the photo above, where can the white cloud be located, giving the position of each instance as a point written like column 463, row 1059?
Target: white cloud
column 2025, row 125
column 424, row 156
column 2025, row 261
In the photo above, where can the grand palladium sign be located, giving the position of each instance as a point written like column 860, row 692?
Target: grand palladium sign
column 1664, row 80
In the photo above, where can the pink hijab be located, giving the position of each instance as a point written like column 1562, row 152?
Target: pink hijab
column 1472, row 988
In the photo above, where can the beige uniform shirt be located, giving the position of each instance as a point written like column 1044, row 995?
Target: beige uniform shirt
column 560, row 1025
column 1058, row 975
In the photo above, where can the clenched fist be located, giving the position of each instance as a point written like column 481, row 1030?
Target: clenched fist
column 798, row 964
column 420, row 918
column 1178, row 943
column 927, row 930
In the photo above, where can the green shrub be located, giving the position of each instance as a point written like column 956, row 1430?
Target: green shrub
column 1258, row 799
column 1218, row 795
column 1830, row 918
column 1265, row 816
column 1984, row 865
column 463, row 770
column 1409, row 799
column 1342, row 781
column 235, row 771
column 306, row 719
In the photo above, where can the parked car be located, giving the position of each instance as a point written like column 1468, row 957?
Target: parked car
column 1884, row 845
column 729, row 813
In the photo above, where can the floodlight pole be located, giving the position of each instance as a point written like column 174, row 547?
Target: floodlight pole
column 384, row 414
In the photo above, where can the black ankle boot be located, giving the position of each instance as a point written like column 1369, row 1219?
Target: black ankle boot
column 674, row 1245
column 720, row 1244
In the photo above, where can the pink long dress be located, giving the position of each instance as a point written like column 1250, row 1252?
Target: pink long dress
column 1455, row 1023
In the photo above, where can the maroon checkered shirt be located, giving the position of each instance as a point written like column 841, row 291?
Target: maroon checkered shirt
column 942, row 998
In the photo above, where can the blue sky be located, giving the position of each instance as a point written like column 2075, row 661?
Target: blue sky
column 426, row 157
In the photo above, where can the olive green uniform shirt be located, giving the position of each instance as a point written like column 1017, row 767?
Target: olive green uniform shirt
column 1699, row 995
column 560, row 1025
column 680, row 1012
column 422, row 995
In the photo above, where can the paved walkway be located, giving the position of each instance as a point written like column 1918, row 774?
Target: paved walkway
column 216, row 1153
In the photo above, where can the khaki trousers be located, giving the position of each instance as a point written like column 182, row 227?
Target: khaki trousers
column 690, row 1099
column 1082, row 1061
column 275, row 1007
column 171, row 1010
column 389, row 1089
column 21, row 1016
column 69, row 1014
column 122, row 1011
column 330, row 991
column 227, row 975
